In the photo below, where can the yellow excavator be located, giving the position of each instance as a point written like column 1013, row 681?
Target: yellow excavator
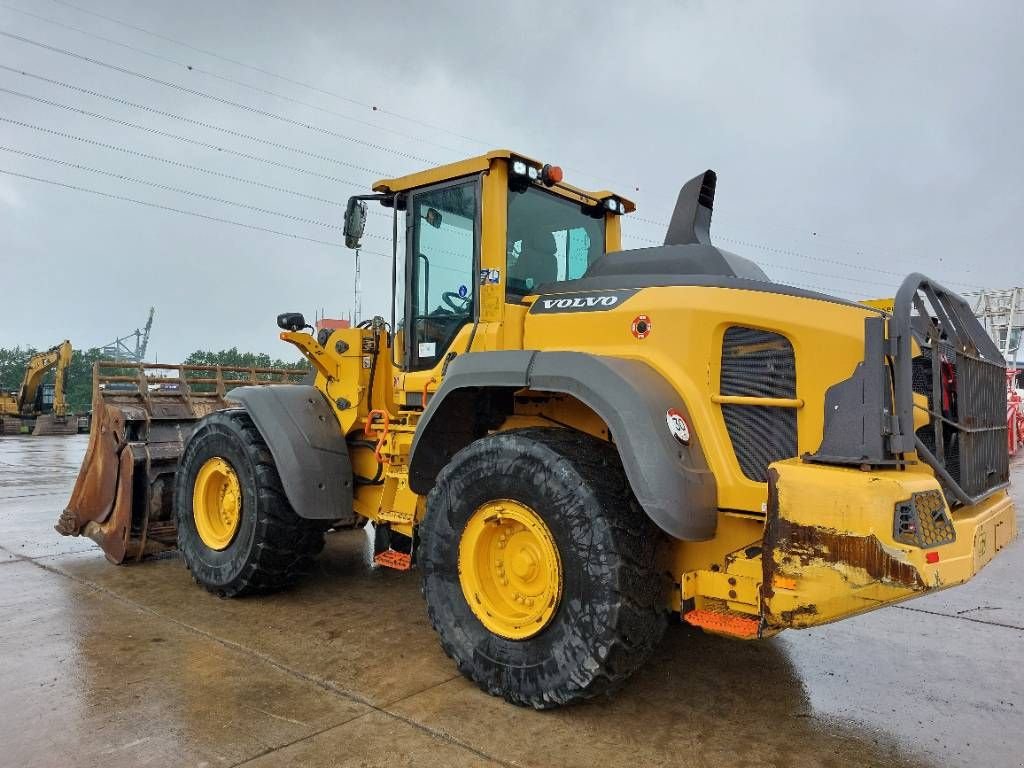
column 36, row 407
column 572, row 442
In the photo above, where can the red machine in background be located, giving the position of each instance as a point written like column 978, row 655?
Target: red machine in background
column 1014, row 411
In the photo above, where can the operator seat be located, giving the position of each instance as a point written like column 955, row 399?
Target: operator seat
column 537, row 263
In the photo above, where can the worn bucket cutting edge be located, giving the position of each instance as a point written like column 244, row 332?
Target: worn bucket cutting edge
column 142, row 416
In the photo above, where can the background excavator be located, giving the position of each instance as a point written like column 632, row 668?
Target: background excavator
column 37, row 407
column 572, row 442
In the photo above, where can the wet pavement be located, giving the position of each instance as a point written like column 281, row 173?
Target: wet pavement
column 126, row 666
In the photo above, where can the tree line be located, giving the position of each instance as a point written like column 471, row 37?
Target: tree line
column 78, row 378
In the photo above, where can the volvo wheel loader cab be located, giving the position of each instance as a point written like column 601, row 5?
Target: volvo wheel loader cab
column 572, row 442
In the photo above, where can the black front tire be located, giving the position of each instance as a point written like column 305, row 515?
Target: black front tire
column 273, row 547
column 612, row 610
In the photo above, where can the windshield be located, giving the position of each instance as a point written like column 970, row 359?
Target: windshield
column 549, row 239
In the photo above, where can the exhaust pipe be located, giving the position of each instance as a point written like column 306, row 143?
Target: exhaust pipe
column 691, row 220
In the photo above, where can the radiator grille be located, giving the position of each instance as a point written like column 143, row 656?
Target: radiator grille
column 974, row 448
column 758, row 363
column 981, row 403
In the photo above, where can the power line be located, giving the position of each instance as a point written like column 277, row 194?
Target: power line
column 306, row 125
column 208, row 73
column 797, row 254
column 179, row 164
column 169, row 208
column 787, row 252
column 269, row 73
column 188, row 140
column 167, row 188
column 172, row 209
column 195, row 168
column 831, row 240
column 182, row 191
column 809, row 272
column 825, row 274
column 221, row 220
column 308, row 86
column 190, row 120
column 283, row 189
column 295, row 192
column 212, row 97
column 826, row 291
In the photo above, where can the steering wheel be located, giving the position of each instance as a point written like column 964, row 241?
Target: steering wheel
column 456, row 303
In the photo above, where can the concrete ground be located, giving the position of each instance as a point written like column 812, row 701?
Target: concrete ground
column 110, row 666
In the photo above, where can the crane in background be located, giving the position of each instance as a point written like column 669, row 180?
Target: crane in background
column 118, row 349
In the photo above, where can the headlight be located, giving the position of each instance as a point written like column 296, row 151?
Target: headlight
column 519, row 168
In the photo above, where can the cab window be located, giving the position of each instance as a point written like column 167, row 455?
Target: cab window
column 549, row 239
column 441, row 266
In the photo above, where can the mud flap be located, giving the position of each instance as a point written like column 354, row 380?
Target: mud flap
column 829, row 550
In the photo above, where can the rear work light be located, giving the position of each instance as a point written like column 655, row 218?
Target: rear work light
column 923, row 521
column 522, row 168
column 614, row 205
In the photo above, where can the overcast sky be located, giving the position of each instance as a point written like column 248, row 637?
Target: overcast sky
column 854, row 143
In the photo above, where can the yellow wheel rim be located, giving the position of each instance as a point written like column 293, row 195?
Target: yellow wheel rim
column 509, row 569
column 217, row 503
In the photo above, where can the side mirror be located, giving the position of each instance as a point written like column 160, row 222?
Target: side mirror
column 355, row 222
column 433, row 218
column 291, row 321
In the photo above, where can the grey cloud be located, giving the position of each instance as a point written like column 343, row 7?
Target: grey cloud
column 881, row 137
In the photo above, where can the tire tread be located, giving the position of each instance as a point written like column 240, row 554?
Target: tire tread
column 285, row 544
column 636, row 609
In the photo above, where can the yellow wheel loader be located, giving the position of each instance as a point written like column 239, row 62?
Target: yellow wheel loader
column 572, row 442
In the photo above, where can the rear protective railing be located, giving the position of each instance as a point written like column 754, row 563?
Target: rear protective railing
column 965, row 382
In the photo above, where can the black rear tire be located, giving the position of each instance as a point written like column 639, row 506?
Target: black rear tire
column 611, row 613
column 273, row 547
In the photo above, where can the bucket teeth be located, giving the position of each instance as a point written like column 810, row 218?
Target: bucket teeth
column 67, row 524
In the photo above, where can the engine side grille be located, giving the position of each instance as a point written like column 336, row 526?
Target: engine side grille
column 974, row 453
column 758, row 363
column 984, row 461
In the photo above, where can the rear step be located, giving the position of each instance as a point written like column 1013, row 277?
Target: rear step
column 390, row 558
column 729, row 623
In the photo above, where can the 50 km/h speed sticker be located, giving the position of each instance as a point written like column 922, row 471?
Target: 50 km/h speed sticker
column 677, row 426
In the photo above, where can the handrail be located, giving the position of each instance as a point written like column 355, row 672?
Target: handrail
column 766, row 402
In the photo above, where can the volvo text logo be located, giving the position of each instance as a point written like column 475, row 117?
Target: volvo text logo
column 581, row 302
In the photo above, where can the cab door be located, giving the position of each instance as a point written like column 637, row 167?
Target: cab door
column 443, row 236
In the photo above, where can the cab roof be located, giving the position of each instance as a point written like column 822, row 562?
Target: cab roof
column 482, row 163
